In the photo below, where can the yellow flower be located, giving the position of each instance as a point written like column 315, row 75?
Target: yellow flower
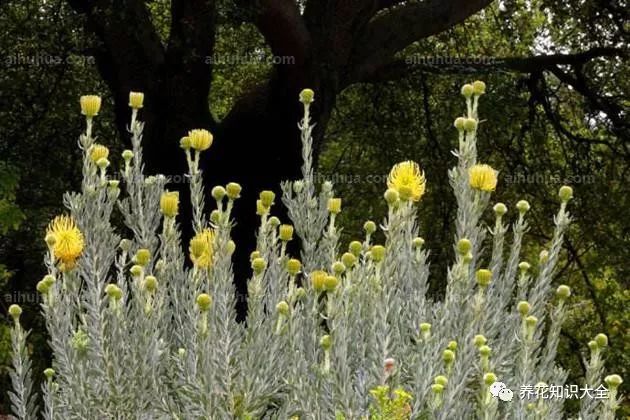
column 408, row 180
column 98, row 152
column 90, row 105
column 202, row 248
column 482, row 177
column 334, row 205
column 200, row 139
column 169, row 203
column 68, row 243
column 136, row 100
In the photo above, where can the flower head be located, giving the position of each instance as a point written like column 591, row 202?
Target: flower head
column 334, row 205
column 202, row 248
column 136, row 100
column 482, row 177
column 98, row 152
column 286, row 232
column 169, row 203
column 307, row 96
column 200, row 139
column 90, row 105
column 68, row 244
column 407, row 178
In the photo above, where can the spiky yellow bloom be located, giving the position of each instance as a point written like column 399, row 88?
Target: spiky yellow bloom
column 407, row 178
column 200, row 139
column 68, row 243
column 482, row 177
column 169, row 203
column 202, row 248
column 98, row 152
column 136, row 100
column 90, row 105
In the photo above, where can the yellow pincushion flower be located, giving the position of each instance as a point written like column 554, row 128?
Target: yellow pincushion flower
column 482, row 177
column 407, row 178
column 202, row 248
column 200, row 139
column 98, row 152
column 68, row 243
column 90, row 105
column 169, row 203
column 136, row 100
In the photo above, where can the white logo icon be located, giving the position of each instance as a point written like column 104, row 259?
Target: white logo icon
column 500, row 390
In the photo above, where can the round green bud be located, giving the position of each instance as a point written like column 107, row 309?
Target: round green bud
column 184, row 143
column 286, row 232
column 181, row 352
column 233, row 190
column 231, row 247
column 378, row 253
column 464, row 246
column 49, row 279
column 425, row 327
column 523, row 308
column 349, row 260
column 459, row 123
column 613, row 381
column 307, row 96
column 524, row 266
column 113, row 291
column 601, row 340
column 369, row 227
column 592, row 345
column 483, row 277
column 267, row 198
column 282, row 308
column 259, row 265
column 294, row 266
column 150, row 284
column 338, row 268
column 479, row 87
column 125, row 245
column 565, row 193
column 468, row 258
column 50, row 240
column 355, row 248
column 142, row 257
column 479, row 340
column 489, row 378
column 300, row 293
column 485, row 351
column 136, row 270
column 441, row 379
column 563, row 291
column 49, row 373
column 114, row 183
column 522, row 206
column 331, row 283
column 254, row 255
column 391, row 196
column 500, row 209
column 437, row 388
column 448, row 356
column 531, row 321
column 318, row 280
column 204, row 301
column 470, row 124
column 274, row 222
column 42, row 287
column 417, row 242
column 15, row 311
column 102, row 163
column 452, row 345
column 468, row 90
column 127, row 155
column 530, row 407
column 325, row 342
column 218, row 193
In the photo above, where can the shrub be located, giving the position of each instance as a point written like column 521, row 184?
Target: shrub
column 136, row 333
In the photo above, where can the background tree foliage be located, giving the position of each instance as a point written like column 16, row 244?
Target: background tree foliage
column 559, row 118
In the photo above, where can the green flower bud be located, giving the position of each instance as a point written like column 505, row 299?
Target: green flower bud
column 563, row 291
column 204, row 301
column 127, row 155
column 143, row 256
column 334, row 205
column 524, row 266
column 483, row 277
column 500, row 209
column 479, row 87
column 565, row 193
column 318, row 280
column 452, row 346
column 437, row 388
column 267, row 198
column 259, row 265
column 286, row 232
column 391, row 196
column 522, row 206
column 50, row 240
column 218, row 193
column 298, row 186
column 102, row 163
column 470, row 124
column 282, row 308
column 113, row 291
column 125, row 245
column 448, row 356
column 531, row 321
column 274, row 222
column 349, row 260
column 369, row 227
column 378, row 253
column 184, row 143
column 136, row 270
column 601, row 340
column 523, row 308
column 233, row 190
column 325, row 342
column 441, row 380
column 307, row 96
column 468, row 258
column 592, row 345
column 479, row 340
column 464, row 246
column 181, row 352
column 338, row 268
column 254, row 255
column 114, row 183
column 489, row 378
column 417, row 242
column 468, row 90
column 42, row 287
column 355, row 248
column 613, row 381
column 459, row 123
column 425, row 327
column 485, row 351
column 231, row 247
column 331, row 283
column 150, row 284
column 15, row 311
column 49, row 373
column 294, row 266
column 300, row 293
